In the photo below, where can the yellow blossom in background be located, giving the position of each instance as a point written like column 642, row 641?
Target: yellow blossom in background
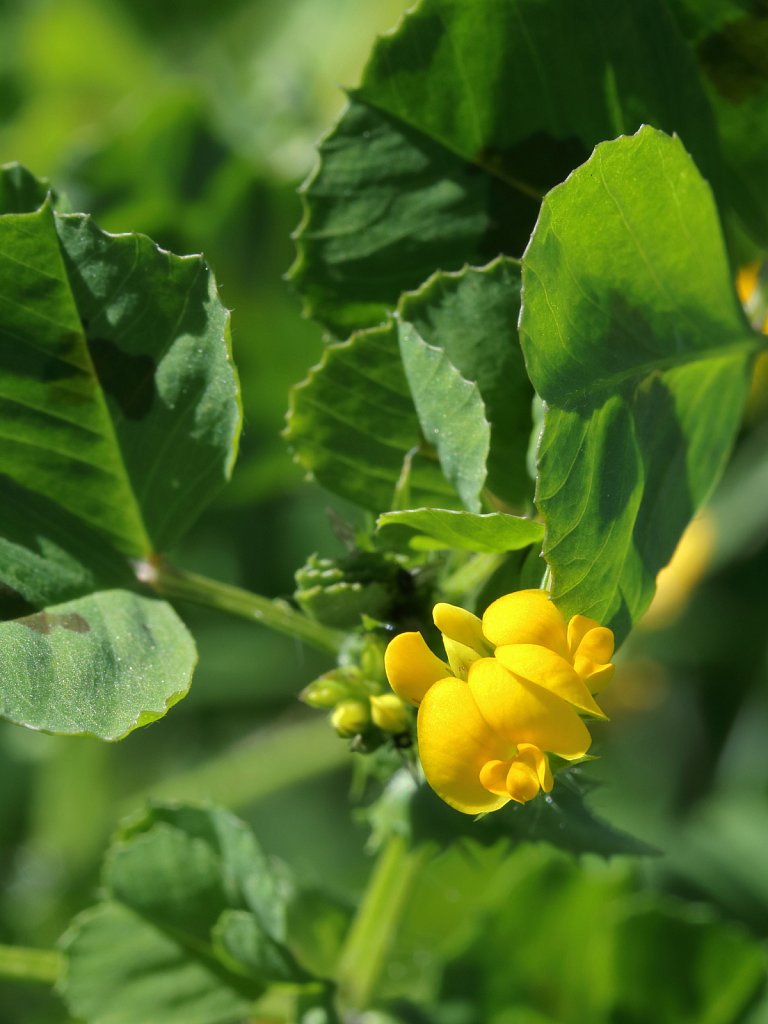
column 511, row 691
column 750, row 285
column 677, row 580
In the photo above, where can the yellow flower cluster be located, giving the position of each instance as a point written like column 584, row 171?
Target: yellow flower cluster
column 513, row 691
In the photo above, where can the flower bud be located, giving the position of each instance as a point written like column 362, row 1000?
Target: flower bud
column 350, row 717
column 325, row 693
column 390, row 714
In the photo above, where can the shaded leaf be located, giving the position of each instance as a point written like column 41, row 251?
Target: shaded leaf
column 239, row 935
column 121, row 969
column 191, row 920
column 21, row 191
column 563, row 819
column 243, row 869
column 641, row 351
column 441, row 157
column 354, row 424
column 100, row 665
column 723, row 967
column 439, row 528
column 472, row 316
column 451, row 413
column 729, row 41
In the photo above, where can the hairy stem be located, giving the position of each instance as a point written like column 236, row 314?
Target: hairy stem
column 275, row 614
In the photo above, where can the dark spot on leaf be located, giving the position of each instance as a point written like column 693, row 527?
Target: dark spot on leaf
column 12, row 603
column 735, row 59
column 45, row 622
column 129, row 379
column 149, row 634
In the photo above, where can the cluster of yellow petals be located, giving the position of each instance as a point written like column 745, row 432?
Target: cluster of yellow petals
column 513, row 690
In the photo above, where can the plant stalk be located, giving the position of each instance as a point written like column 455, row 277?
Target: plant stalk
column 278, row 615
column 42, row 966
column 373, row 930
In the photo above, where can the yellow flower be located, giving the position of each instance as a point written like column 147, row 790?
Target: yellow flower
column 512, row 691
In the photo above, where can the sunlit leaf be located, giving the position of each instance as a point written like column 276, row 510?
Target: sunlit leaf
column 100, row 665
column 438, row 528
column 640, row 349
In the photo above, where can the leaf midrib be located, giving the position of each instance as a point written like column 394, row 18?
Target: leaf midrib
column 360, row 96
column 134, row 517
column 570, row 399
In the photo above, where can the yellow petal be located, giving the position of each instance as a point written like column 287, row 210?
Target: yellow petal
column 462, row 626
column 595, row 676
column 527, row 617
column 590, row 639
column 521, row 712
column 522, row 782
column 746, row 280
column 539, row 762
column 545, row 668
column 455, row 743
column 493, row 775
column 411, row 667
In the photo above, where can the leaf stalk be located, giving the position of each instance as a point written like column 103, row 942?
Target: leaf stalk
column 168, row 581
column 40, row 966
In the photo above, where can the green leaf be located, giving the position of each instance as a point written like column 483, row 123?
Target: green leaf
column 192, row 920
column 608, row 938
column 119, row 400
column 640, row 349
column 728, row 40
column 240, row 936
column 122, row 969
column 100, row 666
column 119, row 415
column 243, row 870
column 703, row 968
column 466, row 115
column 21, row 191
column 472, row 316
column 439, row 528
column 562, row 819
column 354, row 423
column 451, row 413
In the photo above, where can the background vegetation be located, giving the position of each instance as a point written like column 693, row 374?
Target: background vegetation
column 195, row 123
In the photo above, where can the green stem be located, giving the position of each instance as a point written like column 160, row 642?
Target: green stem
column 36, row 965
column 473, row 574
column 274, row 614
column 372, row 933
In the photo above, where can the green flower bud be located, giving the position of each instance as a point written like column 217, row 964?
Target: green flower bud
column 351, row 717
column 325, row 693
column 390, row 714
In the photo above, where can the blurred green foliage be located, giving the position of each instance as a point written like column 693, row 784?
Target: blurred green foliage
column 194, row 122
